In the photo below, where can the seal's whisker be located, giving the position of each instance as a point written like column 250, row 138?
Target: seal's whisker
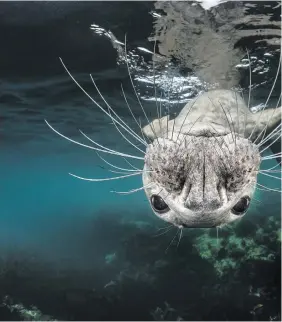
column 238, row 117
column 172, row 240
column 250, row 79
column 168, row 107
column 257, row 121
column 114, row 171
column 267, row 188
column 221, row 138
column 166, row 231
column 98, row 105
column 186, row 118
column 256, row 200
column 119, row 172
column 180, row 236
column 263, row 132
column 271, row 135
column 233, row 123
column 106, row 179
column 155, row 87
column 273, row 156
column 100, row 145
column 114, row 166
column 275, row 166
column 132, row 190
column 128, row 106
column 177, row 108
column 278, row 137
column 94, row 148
column 142, row 132
column 269, row 175
column 130, row 164
column 225, row 117
column 223, row 163
column 233, row 136
column 270, row 171
column 131, row 143
column 160, row 110
column 166, row 227
column 110, row 109
column 188, row 132
column 136, row 94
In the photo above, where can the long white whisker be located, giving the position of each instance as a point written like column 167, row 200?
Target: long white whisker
column 258, row 201
column 94, row 142
column 171, row 241
column 131, row 143
column 263, row 131
column 271, row 171
column 186, row 117
column 126, row 127
column 177, row 107
column 233, row 134
column 272, row 156
column 268, row 189
column 155, row 87
column 270, row 135
column 187, row 133
column 250, row 76
column 130, row 77
column 132, row 166
column 128, row 106
column 237, row 107
column 166, row 231
column 270, row 144
column 275, row 166
column 132, row 190
column 105, row 179
column 115, row 171
column 166, row 227
column 278, row 69
column 180, row 236
column 98, row 105
column 94, row 148
column 114, row 166
column 269, row 175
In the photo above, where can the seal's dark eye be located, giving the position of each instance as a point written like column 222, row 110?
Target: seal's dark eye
column 241, row 206
column 158, row 204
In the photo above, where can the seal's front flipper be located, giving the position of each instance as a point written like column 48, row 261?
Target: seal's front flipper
column 156, row 128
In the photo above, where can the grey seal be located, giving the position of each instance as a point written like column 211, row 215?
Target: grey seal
column 201, row 168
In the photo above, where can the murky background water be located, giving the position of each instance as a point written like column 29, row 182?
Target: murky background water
column 71, row 249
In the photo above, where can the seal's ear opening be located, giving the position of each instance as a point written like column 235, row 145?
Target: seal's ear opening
column 156, row 128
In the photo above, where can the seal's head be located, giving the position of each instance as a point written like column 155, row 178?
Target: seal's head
column 200, row 181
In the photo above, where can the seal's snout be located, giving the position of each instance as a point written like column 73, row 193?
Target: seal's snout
column 201, row 197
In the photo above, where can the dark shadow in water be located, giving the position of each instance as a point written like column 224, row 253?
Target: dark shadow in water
column 136, row 276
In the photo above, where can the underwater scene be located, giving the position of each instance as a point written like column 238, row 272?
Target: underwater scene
column 81, row 236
